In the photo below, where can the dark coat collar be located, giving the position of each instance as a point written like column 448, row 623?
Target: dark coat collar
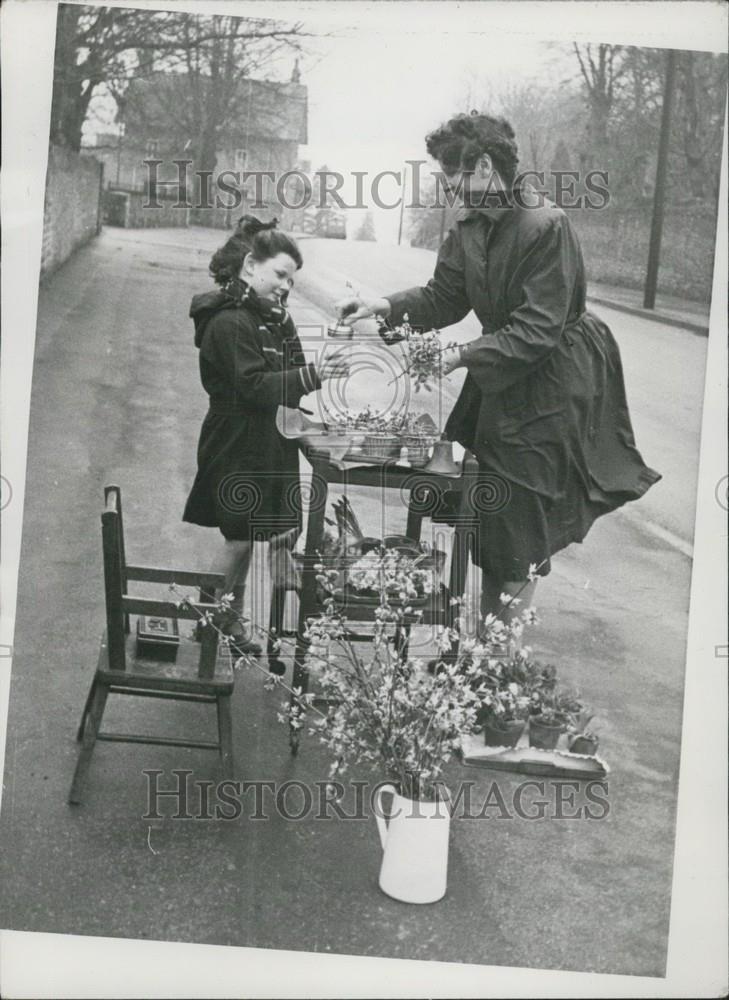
column 505, row 204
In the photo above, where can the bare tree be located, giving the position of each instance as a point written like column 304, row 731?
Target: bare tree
column 205, row 57
column 206, row 89
column 95, row 45
column 601, row 69
column 702, row 92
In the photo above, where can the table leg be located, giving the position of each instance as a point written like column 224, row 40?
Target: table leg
column 307, row 602
column 464, row 536
column 414, row 524
column 275, row 627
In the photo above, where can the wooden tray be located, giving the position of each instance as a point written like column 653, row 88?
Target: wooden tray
column 523, row 759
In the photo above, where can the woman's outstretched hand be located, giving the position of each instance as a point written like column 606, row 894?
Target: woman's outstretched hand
column 355, row 307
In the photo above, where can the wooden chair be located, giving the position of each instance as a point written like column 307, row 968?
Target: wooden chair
column 198, row 673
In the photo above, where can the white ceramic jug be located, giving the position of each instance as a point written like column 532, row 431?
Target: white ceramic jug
column 415, row 847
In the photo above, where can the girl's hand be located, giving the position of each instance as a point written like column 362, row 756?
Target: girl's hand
column 451, row 359
column 355, row 307
column 333, row 367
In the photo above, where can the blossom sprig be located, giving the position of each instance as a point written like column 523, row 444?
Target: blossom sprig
column 390, row 573
column 389, row 712
column 368, row 420
column 223, row 614
column 423, row 352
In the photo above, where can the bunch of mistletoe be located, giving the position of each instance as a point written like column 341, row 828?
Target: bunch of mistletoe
column 424, row 352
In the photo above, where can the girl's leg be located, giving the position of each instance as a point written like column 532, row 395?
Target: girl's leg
column 233, row 560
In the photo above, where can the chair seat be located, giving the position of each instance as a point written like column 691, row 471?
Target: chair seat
column 159, row 675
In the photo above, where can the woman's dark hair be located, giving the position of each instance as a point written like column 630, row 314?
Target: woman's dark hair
column 262, row 239
column 463, row 140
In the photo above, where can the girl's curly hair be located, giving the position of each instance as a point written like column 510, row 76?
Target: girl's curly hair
column 463, row 139
column 262, row 239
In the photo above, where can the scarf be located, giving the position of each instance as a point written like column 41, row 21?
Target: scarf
column 242, row 294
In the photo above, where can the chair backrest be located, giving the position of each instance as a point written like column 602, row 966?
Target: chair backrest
column 120, row 604
column 116, row 492
column 112, row 537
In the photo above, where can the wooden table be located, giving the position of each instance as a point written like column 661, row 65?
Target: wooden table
column 425, row 491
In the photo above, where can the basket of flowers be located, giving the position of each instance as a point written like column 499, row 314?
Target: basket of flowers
column 419, row 434
column 381, row 433
column 381, row 444
column 389, row 574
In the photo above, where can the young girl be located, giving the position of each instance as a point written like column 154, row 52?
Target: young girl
column 251, row 362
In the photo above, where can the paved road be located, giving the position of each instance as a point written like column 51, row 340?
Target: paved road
column 116, row 398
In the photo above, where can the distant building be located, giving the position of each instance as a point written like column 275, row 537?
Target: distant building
column 267, row 126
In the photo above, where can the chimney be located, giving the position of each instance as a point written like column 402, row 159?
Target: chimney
column 296, row 72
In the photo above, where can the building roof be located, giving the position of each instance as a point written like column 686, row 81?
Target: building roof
column 277, row 110
column 261, row 109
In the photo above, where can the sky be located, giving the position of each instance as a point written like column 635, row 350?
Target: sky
column 375, row 93
column 378, row 84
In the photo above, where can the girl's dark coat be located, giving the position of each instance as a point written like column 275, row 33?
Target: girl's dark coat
column 247, row 482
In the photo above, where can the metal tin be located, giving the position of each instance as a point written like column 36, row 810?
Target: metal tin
column 158, row 638
column 340, row 331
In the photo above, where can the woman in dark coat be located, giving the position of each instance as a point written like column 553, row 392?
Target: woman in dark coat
column 543, row 404
column 251, row 362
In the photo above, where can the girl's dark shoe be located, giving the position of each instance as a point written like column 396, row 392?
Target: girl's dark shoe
column 242, row 644
column 438, row 666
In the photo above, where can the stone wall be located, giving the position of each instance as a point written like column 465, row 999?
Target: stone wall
column 163, row 212
column 72, row 211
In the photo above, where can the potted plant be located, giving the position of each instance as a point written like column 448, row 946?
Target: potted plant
column 553, row 711
column 545, row 728
column 419, row 434
column 584, row 743
column 579, row 738
column 503, row 716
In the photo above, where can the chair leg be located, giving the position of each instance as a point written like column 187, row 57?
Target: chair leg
column 225, row 735
column 93, row 723
column 85, row 713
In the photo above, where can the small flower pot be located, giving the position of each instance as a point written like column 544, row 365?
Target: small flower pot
column 381, row 445
column 508, row 736
column 585, row 745
column 544, row 735
column 418, row 447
